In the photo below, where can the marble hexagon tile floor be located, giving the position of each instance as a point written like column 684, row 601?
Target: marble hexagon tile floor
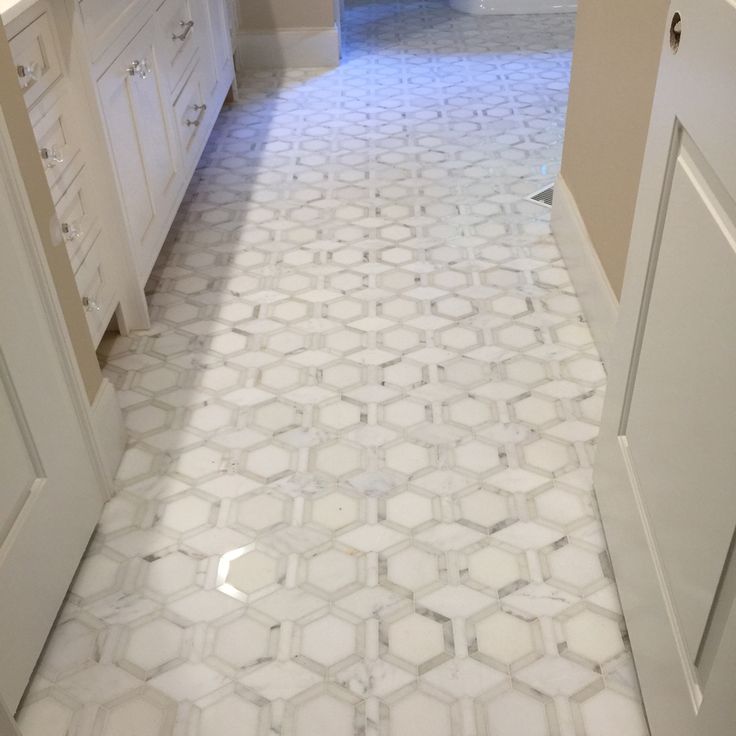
column 357, row 499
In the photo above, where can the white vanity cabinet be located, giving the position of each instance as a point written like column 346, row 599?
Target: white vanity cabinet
column 122, row 95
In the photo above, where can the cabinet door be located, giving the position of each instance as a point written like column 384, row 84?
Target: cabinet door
column 180, row 30
column 220, row 36
column 136, row 114
column 208, row 67
column 190, row 112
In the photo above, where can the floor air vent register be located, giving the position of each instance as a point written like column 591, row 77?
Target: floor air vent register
column 543, row 196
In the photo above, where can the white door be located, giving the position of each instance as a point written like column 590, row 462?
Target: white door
column 50, row 488
column 666, row 465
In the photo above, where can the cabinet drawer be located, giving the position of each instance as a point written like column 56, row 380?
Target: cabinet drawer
column 106, row 22
column 190, row 110
column 56, row 136
column 36, row 58
column 177, row 39
column 78, row 218
column 97, row 291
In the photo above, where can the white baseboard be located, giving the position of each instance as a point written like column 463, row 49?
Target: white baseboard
column 109, row 427
column 586, row 271
column 512, row 7
column 290, row 48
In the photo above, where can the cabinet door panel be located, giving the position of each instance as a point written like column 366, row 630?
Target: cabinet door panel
column 117, row 105
column 146, row 157
column 190, row 110
column 179, row 31
column 220, row 35
column 208, row 67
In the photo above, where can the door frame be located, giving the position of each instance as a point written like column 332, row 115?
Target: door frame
column 19, row 208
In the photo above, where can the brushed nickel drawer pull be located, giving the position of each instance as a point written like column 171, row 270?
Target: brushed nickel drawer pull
column 201, row 109
column 187, row 25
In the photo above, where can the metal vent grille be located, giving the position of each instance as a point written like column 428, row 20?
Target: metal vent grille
column 543, row 196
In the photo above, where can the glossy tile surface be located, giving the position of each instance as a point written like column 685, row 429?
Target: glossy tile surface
column 357, row 499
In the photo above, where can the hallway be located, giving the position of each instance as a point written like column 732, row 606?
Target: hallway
column 357, row 499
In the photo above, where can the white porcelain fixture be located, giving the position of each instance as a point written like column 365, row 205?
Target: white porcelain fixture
column 509, row 7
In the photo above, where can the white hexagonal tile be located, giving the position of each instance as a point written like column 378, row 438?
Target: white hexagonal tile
column 46, row 716
column 335, row 511
column 418, row 640
column 409, row 509
column 232, row 715
column 420, row 713
column 513, row 713
column 328, row 640
column 247, row 571
column 325, row 713
column 496, row 568
column 608, row 713
column 147, row 713
column 333, row 571
column 185, row 513
column 244, row 642
column 407, row 457
column 261, row 512
column 476, row 457
column 268, row 462
column 505, row 638
column 152, row 645
column 594, row 636
column 412, row 568
column 338, row 459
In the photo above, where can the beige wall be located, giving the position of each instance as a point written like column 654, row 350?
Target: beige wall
column 14, row 111
column 617, row 49
column 262, row 15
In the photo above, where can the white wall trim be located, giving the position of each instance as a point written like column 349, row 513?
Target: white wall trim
column 288, row 48
column 108, row 426
column 513, row 7
column 598, row 299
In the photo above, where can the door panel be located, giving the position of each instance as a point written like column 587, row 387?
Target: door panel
column 208, row 68
column 137, row 114
column 151, row 111
column 117, row 105
column 672, row 396
column 18, row 455
column 220, row 36
column 179, row 31
column 51, row 491
column 666, row 465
